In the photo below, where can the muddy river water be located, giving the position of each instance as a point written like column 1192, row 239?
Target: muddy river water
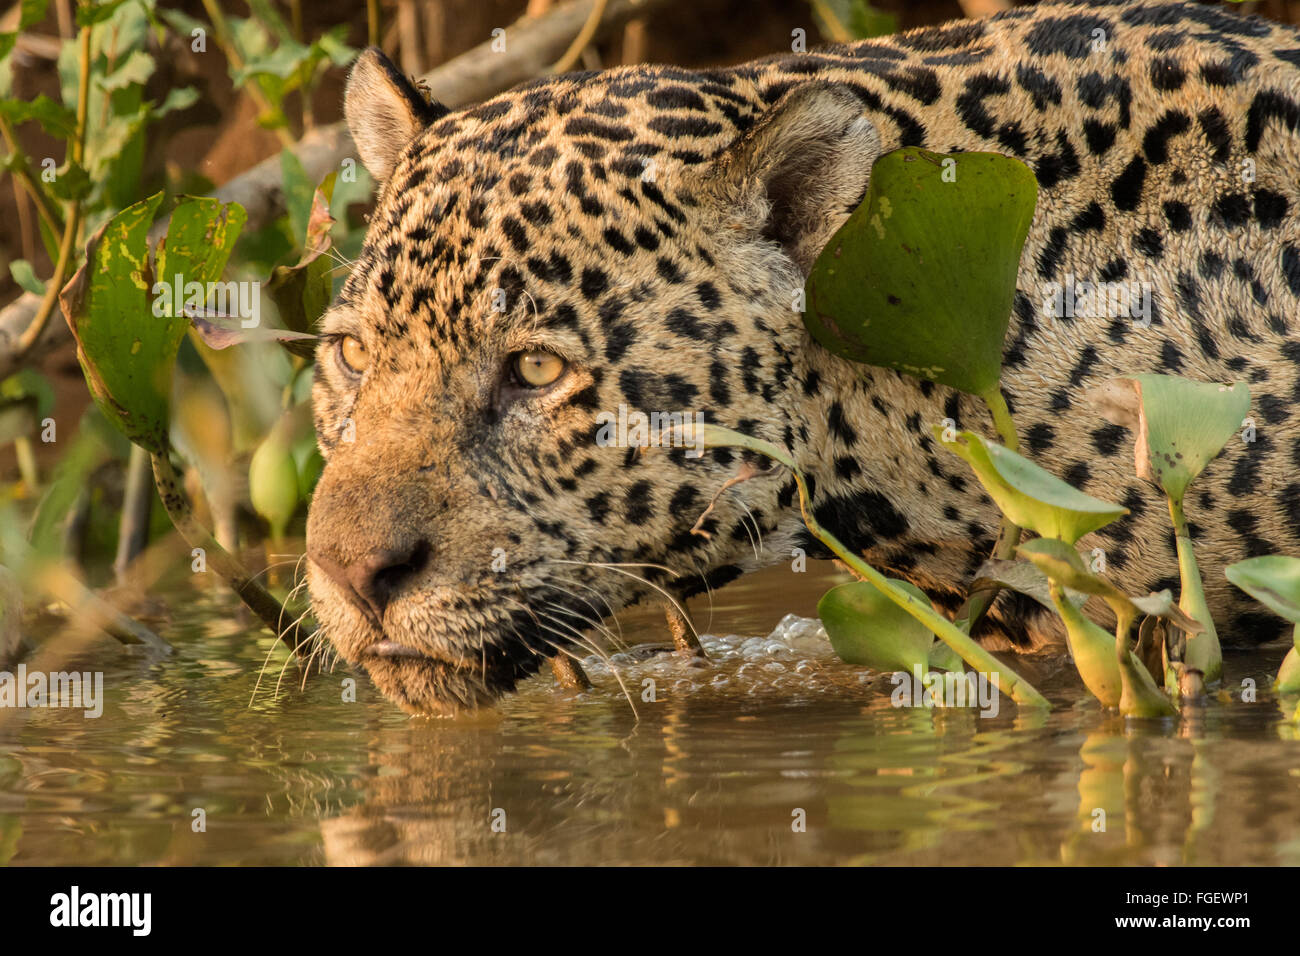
column 773, row 753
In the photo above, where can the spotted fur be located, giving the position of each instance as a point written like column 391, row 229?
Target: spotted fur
column 650, row 225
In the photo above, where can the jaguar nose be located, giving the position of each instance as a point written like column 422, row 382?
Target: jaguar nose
column 371, row 580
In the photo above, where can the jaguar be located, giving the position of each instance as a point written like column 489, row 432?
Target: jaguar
column 635, row 238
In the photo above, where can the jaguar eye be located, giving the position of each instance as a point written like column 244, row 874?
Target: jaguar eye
column 353, row 355
column 538, row 369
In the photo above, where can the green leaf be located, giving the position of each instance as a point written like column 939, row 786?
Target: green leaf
column 55, row 118
column 135, row 70
column 178, row 99
column 1023, row 578
column 1180, row 425
column 71, row 183
column 91, row 447
column 332, row 44
column 302, row 292
column 307, row 458
column 127, row 333
column 120, row 344
column 1273, row 580
column 841, row 20
column 29, row 383
column 867, row 628
column 199, row 239
column 1093, row 651
column 183, row 24
column 1139, row 696
column 88, row 14
column 269, row 17
column 25, row 276
column 1116, row 679
column 299, row 192
column 1029, row 495
column 922, row 275
column 31, row 12
column 283, row 63
column 715, row 436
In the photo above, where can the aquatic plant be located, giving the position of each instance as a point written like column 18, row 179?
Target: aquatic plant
column 920, row 279
column 1274, row 581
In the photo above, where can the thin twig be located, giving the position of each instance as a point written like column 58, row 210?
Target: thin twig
column 565, row 63
column 73, row 221
column 222, row 33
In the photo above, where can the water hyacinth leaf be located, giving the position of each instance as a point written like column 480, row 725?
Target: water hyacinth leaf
column 1023, row 578
column 922, row 275
column 1273, row 580
column 1180, row 424
column 1288, row 675
column 945, row 658
column 1029, row 495
column 1064, row 565
column 866, row 628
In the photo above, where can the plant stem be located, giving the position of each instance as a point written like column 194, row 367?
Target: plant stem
column 27, row 464
column 981, row 599
column 997, row 406
column 222, row 33
column 32, row 333
column 1021, row 691
column 257, row 598
column 20, row 166
column 1124, row 618
column 1140, row 696
column 137, row 507
column 1203, row 651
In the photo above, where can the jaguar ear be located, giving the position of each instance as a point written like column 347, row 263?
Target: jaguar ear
column 803, row 167
column 384, row 111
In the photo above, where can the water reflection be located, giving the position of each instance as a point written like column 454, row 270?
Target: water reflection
column 733, row 763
